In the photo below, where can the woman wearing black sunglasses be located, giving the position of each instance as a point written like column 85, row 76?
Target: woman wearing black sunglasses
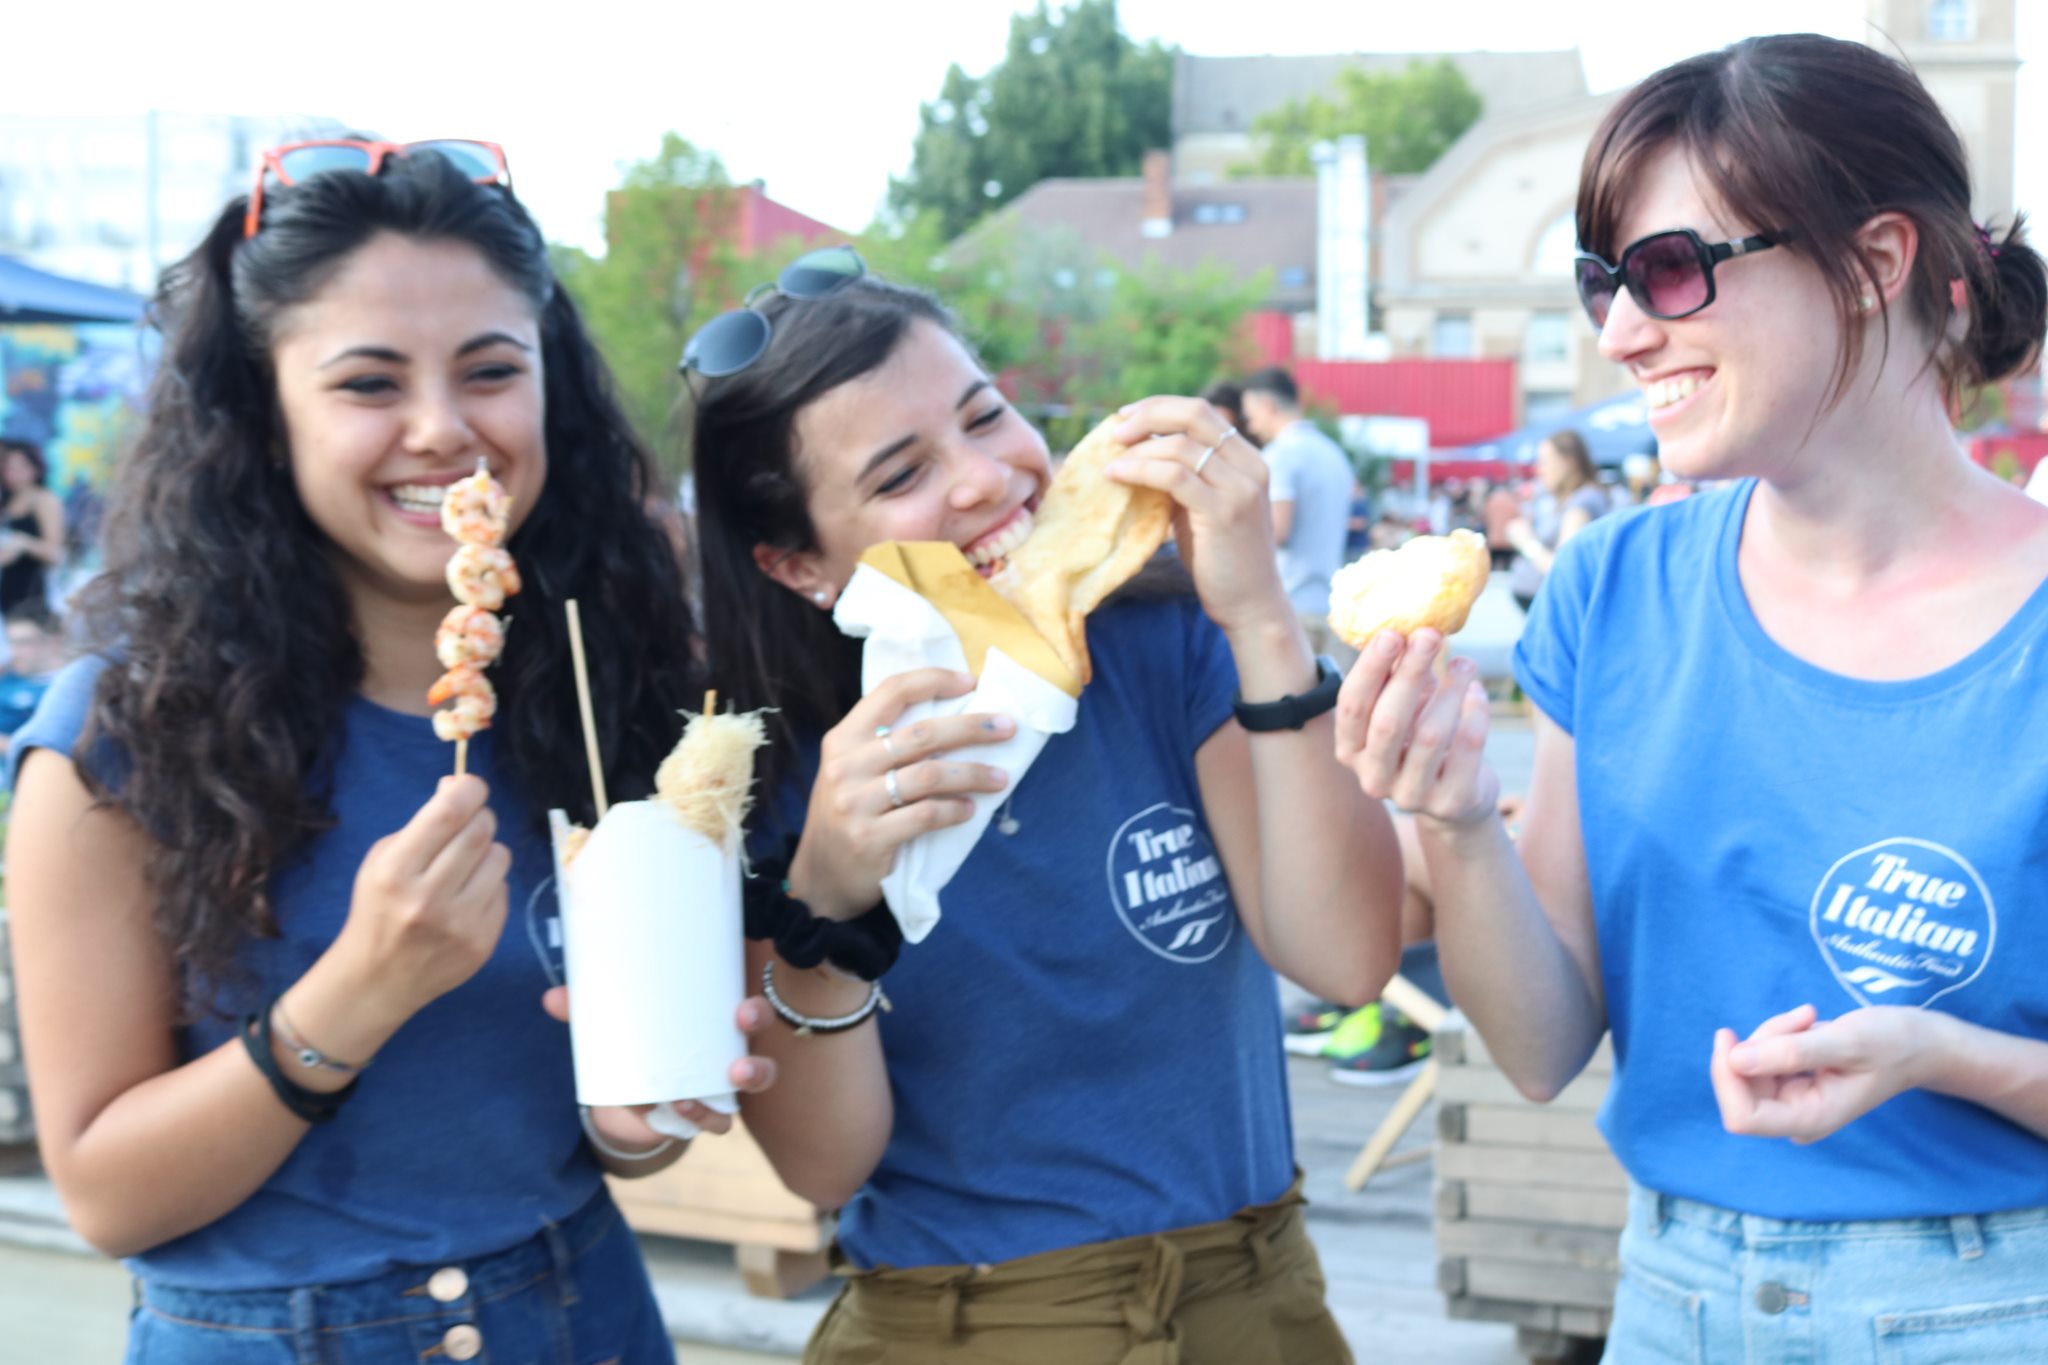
column 1068, row 1141
column 1787, row 835
column 281, row 976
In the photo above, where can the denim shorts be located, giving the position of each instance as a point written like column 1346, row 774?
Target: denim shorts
column 1705, row 1285
column 576, row 1293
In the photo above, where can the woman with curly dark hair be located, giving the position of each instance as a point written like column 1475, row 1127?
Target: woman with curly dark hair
column 239, row 869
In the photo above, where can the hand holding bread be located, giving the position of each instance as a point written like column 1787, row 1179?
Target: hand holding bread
column 1429, row 583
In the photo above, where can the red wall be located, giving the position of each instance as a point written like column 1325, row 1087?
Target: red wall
column 1466, row 401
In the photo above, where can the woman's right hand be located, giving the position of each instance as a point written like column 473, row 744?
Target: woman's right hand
column 1414, row 740
column 855, row 823
column 430, row 901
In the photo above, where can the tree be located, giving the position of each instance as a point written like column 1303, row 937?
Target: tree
column 1409, row 118
column 1073, row 96
column 668, row 267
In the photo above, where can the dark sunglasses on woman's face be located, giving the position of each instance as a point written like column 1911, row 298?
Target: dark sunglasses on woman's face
column 1670, row 275
column 732, row 341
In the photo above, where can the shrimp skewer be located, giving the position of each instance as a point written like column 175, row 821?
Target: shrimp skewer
column 481, row 575
column 469, row 636
column 474, row 510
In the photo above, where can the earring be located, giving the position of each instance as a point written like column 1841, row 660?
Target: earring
column 820, row 596
column 1866, row 303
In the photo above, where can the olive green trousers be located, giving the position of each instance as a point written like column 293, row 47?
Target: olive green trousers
column 1245, row 1291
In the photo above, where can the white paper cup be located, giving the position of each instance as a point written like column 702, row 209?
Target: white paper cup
column 651, row 934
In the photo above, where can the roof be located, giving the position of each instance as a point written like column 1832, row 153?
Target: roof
column 31, row 295
column 1277, row 229
column 1224, row 94
column 764, row 222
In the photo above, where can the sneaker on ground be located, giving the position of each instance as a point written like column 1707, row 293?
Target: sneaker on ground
column 1309, row 1028
column 1355, row 1031
column 1396, row 1049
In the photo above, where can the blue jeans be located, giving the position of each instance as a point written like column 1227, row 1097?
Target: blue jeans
column 1706, row 1285
column 576, row 1293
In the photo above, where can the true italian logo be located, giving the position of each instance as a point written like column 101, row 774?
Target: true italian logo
column 1167, row 885
column 1904, row 922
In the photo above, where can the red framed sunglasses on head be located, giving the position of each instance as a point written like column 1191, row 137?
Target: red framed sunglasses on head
column 483, row 162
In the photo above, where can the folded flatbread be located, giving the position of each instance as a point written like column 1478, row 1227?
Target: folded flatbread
column 1089, row 535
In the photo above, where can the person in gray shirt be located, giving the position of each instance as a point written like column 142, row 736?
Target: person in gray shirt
column 1311, row 496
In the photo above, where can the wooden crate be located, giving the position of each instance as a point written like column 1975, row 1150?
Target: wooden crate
column 724, row 1190
column 1529, row 1202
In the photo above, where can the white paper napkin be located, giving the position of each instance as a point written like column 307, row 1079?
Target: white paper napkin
column 904, row 631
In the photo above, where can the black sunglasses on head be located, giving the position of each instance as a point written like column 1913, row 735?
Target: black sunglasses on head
column 1670, row 275
column 732, row 341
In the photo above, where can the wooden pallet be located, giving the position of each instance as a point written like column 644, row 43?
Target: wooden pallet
column 724, row 1190
column 1529, row 1201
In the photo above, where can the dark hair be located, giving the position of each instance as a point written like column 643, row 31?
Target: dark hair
column 1225, row 393
column 1277, row 382
column 233, row 652
column 34, row 453
column 1811, row 137
column 767, row 647
column 1572, row 447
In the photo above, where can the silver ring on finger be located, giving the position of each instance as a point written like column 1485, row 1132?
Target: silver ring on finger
column 1214, row 446
column 882, row 733
column 889, row 785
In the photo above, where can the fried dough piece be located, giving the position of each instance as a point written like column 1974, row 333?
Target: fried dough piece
column 1431, row 581
column 1089, row 536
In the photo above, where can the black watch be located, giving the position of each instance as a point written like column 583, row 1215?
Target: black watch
column 1291, row 713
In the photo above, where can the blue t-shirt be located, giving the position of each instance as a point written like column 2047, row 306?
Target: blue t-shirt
column 1761, row 833
column 462, row 1137
column 1087, row 1046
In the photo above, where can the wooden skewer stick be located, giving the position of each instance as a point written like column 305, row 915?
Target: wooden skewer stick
column 711, row 702
column 461, row 757
column 583, row 705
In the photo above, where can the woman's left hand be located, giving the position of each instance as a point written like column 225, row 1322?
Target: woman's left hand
column 627, row 1126
column 1222, row 518
column 1802, row 1079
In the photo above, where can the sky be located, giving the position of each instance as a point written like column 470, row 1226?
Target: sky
column 818, row 98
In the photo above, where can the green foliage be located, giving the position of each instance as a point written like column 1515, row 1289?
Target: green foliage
column 668, row 267
column 1073, row 96
column 1981, row 407
column 1069, row 334
column 1409, row 118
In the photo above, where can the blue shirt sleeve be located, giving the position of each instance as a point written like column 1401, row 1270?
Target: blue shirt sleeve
column 1547, row 656
column 1211, row 674
column 60, row 718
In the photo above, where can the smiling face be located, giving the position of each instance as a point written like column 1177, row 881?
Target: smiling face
column 1738, row 386
column 411, row 364
column 921, row 448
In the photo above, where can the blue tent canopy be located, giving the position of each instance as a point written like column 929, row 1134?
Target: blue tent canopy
column 1614, row 429
column 31, row 295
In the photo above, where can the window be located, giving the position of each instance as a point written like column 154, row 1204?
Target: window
column 1951, row 21
column 1293, row 277
column 1541, row 408
column 1450, row 336
column 1556, row 248
column 1213, row 214
column 1549, row 340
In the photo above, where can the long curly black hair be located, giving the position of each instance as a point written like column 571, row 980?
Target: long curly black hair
column 232, row 645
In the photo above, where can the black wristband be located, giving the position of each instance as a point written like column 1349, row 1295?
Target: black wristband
column 1291, row 713
column 865, row 946
column 314, row 1106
